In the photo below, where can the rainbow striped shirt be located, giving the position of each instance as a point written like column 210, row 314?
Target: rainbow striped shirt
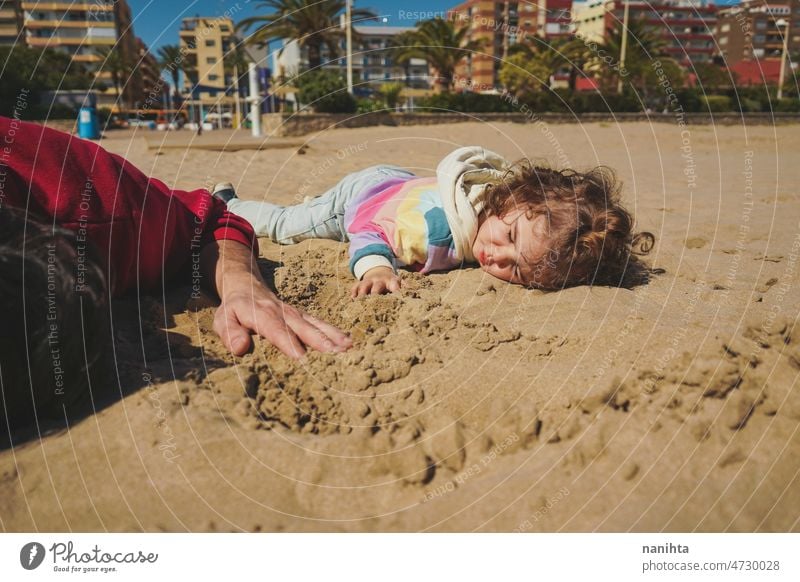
column 403, row 220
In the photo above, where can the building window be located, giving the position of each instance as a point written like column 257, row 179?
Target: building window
column 211, row 60
column 761, row 25
column 210, row 42
column 94, row 16
column 213, row 77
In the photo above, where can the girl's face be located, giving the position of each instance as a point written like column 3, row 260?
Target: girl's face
column 508, row 246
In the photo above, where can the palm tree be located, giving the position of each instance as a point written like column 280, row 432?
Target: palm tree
column 577, row 58
column 442, row 44
column 236, row 57
column 645, row 45
column 399, row 53
column 391, row 94
column 520, row 74
column 529, row 67
column 170, row 58
column 313, row 23
column 113, row 64
column 236, row 60
column 550, row 55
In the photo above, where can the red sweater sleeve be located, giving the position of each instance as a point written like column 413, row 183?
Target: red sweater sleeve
column 145, row 232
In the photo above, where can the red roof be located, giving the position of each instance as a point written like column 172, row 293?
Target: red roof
column 757, row 72
column 585, row 84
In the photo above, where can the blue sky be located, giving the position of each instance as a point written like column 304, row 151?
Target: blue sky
column 157, row 21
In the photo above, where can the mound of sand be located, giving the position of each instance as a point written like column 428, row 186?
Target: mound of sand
column 466, row 404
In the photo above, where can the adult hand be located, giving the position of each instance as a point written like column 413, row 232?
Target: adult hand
column 248, row 306
column 376, row 281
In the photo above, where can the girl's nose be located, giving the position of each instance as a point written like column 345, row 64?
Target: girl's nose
column 502, row 255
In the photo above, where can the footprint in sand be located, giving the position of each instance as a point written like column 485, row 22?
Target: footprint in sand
column 767, row 285
column 769, row 258
column 696, row 242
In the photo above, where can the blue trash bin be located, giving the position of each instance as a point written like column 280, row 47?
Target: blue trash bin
column 88, row 127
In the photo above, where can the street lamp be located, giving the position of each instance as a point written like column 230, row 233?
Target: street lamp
column 781, row 24
column 624, row 47
column 255, row 99
column 349, row 44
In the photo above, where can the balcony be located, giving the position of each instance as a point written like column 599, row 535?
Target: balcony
column 93, row 7
column 87, row 58
column 68, row 41
column 33, row 24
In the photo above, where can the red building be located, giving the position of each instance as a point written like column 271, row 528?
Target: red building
column 754, row 30
column 501, row 25
column 686, row 26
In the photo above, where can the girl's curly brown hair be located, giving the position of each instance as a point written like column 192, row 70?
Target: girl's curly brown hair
column 591, row 235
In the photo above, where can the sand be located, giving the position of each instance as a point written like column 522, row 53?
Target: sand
column 466, row 404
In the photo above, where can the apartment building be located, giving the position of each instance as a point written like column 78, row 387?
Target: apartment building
column 71, row 27
column 749, row 32
column 589, row 19
column 10, row 21
column 145, row 88
column 373, row 64
column 80, row 29
column 500, row 25
column 205, row 41
column 140, row 88
column 686, row 26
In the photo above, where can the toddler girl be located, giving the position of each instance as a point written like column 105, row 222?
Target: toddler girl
column 523, row 224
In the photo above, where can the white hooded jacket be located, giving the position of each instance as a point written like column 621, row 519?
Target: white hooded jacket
column 463, row 177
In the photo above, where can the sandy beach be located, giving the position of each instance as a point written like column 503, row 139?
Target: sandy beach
column 466, row 404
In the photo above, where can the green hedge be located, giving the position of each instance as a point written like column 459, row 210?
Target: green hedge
column 465, row 103
column 787, row 106
column 717, row 103
column 745, row 100
column 325, row 92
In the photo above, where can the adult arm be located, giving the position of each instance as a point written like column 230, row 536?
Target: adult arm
column 248, row 306
column 148, row 234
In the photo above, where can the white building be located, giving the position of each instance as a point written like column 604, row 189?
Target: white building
column 372, row 61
